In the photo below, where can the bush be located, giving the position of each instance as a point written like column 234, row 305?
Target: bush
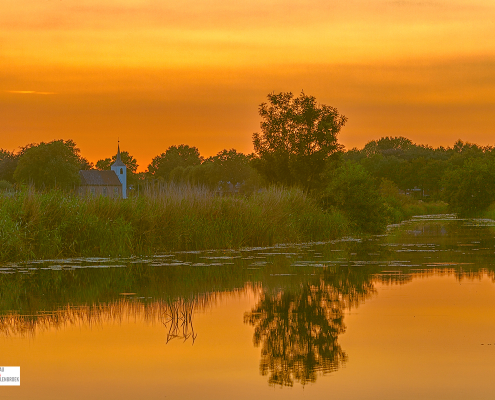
column 352, row 190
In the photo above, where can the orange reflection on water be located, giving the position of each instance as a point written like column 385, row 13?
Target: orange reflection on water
column 131, row 358
column 430, row 337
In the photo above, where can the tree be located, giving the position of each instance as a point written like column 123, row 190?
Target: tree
column 388, row 146
column 48, row 165
column 352, row 191
column 129, row 161
column 470, row 189
column 296, row 139
column 229, row 166
column 176, row 156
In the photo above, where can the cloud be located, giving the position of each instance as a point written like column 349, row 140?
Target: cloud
column 414, row 3
column 28, row 92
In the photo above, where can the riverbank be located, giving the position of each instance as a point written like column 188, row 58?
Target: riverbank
column 54, row 224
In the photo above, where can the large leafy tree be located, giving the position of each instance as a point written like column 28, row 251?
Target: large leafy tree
column 175, row 156
column 297, row 137
column 49, row 165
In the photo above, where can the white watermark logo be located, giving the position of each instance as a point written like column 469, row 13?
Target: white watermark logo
column 10, row 376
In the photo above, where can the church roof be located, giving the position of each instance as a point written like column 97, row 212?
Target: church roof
column 93, row 177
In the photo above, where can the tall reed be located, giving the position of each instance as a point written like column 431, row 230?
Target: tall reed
column 165, row 217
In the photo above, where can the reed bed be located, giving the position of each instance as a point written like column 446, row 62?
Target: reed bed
column 165, row 217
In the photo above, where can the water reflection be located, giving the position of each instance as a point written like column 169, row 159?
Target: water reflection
column 304, row 291
column 177, row 316
column 298, row 330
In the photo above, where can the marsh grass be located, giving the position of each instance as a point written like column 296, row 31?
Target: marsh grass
column 54, row 224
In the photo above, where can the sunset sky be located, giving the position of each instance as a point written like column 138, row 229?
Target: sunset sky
column 157, row 73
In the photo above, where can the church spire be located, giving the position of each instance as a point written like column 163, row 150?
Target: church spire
column 118, row 161
column 120, row 169
column 118, row 151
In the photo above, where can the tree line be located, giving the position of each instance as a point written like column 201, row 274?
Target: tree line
column 297, row 146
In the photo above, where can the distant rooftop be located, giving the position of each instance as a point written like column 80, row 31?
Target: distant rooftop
column 93, row 177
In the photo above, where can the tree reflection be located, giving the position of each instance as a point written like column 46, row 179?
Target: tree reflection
column 298, row 330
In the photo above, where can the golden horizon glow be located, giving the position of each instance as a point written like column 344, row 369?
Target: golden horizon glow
column 159, row 73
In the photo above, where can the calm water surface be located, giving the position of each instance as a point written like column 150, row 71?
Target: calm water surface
column 404, row 316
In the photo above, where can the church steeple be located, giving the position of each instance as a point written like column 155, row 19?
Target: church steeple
column 118, row 161
column 121, row 170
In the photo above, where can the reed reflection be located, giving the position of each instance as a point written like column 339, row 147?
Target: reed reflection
column 179, row 319
column 176, row 316
column 298, row 329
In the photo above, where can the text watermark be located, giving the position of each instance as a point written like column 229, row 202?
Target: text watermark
column 10, row 376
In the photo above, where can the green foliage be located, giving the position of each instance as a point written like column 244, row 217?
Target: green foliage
column 176, row 156
column 352, row 190
column 230, row 166
column 129, row 161
column 408, row 165
column 390, row 168
column 227, row 171
column 399, row 206
column 49, row 165
column 470, row 189
column 54, row 224
column 8, row 164
column 388, row 146
column 429, row 173
column 297, row 137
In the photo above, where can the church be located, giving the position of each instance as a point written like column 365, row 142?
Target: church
column 111, row 183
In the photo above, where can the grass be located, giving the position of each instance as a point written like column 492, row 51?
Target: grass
column 489, row 212
column 54, row 224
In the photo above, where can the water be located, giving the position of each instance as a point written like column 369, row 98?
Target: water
column 407, row 315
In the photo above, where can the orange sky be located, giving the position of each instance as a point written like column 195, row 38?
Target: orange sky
column 157, row 73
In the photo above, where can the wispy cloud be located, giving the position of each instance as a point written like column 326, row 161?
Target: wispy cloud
column 28, row 92
column 414, row 3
